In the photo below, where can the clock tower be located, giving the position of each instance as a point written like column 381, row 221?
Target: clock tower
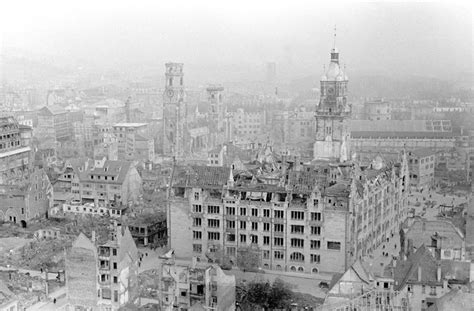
column 174, row 110
column 332, row 115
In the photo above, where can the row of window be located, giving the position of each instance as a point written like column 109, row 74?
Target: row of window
column 278, row 255
column 295, row 215
column 277, row 241
column 230, row 224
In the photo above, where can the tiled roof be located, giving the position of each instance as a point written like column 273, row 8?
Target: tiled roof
column 201, row 176
column 456, row 299
column 407, row 271
column 421, row 152
column 422, row 231
column 52, row 110
column 141, row 137
column 397, row 126
column 117, row 169
column 400, row 134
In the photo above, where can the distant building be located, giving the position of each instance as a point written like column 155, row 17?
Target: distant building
column 377, row 110
column 271, row 73
column 133, row 142
column 195, row 286
column 103, row 181
column 393, row 135
column 421, row 163
column 53, row 123
column 248, row 123
column 228, row 155
column 295, row 130
column 174, row 111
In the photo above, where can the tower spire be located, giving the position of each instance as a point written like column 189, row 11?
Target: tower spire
column 334, row 45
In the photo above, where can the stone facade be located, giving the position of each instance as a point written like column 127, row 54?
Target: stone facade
column 319, row 219
column 332, row 114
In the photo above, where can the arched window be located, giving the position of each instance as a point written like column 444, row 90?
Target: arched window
column 300, row 269
column 266, row 266
column 293, row 268
column 297, row 257
column 314, row 270
column 278, row 267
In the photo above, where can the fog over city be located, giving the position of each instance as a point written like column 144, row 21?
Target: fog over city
column 231, row 40
column 249, row 155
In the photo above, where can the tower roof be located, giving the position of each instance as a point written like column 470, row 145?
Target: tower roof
column 334, row 72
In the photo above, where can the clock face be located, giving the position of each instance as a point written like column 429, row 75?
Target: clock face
column 170, row 93
column 330, row 91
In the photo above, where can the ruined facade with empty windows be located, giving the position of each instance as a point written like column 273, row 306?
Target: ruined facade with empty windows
column 307, row 218
column 319, row 218
column 195, row 286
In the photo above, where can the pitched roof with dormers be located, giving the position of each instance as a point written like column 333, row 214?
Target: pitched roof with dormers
column 116, row 170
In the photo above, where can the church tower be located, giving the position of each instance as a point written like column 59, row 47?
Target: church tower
column 332, row 114
column 216, row 114
column 174, row 110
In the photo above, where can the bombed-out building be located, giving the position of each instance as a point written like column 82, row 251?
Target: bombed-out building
column 318, row 217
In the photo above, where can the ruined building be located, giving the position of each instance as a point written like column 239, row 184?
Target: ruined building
column 102, row 277
column 195, row 286
column 317, row 219
column 15, row 149
column 312, row 218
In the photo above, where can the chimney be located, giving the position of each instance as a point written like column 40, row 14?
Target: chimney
column 419, row 273
column 93, row 236
column 438, row 272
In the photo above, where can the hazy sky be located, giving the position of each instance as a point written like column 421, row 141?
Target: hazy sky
column 433, row 39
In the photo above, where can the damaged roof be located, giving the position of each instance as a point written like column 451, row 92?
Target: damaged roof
column 201, row 176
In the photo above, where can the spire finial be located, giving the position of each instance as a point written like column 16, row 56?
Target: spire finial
column 335, row 29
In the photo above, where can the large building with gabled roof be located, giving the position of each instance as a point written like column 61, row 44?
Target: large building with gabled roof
column 105, row 181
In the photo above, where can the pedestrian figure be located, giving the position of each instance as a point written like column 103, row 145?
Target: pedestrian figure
column 54, row 301
column 146, row 254
column 41, row 270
